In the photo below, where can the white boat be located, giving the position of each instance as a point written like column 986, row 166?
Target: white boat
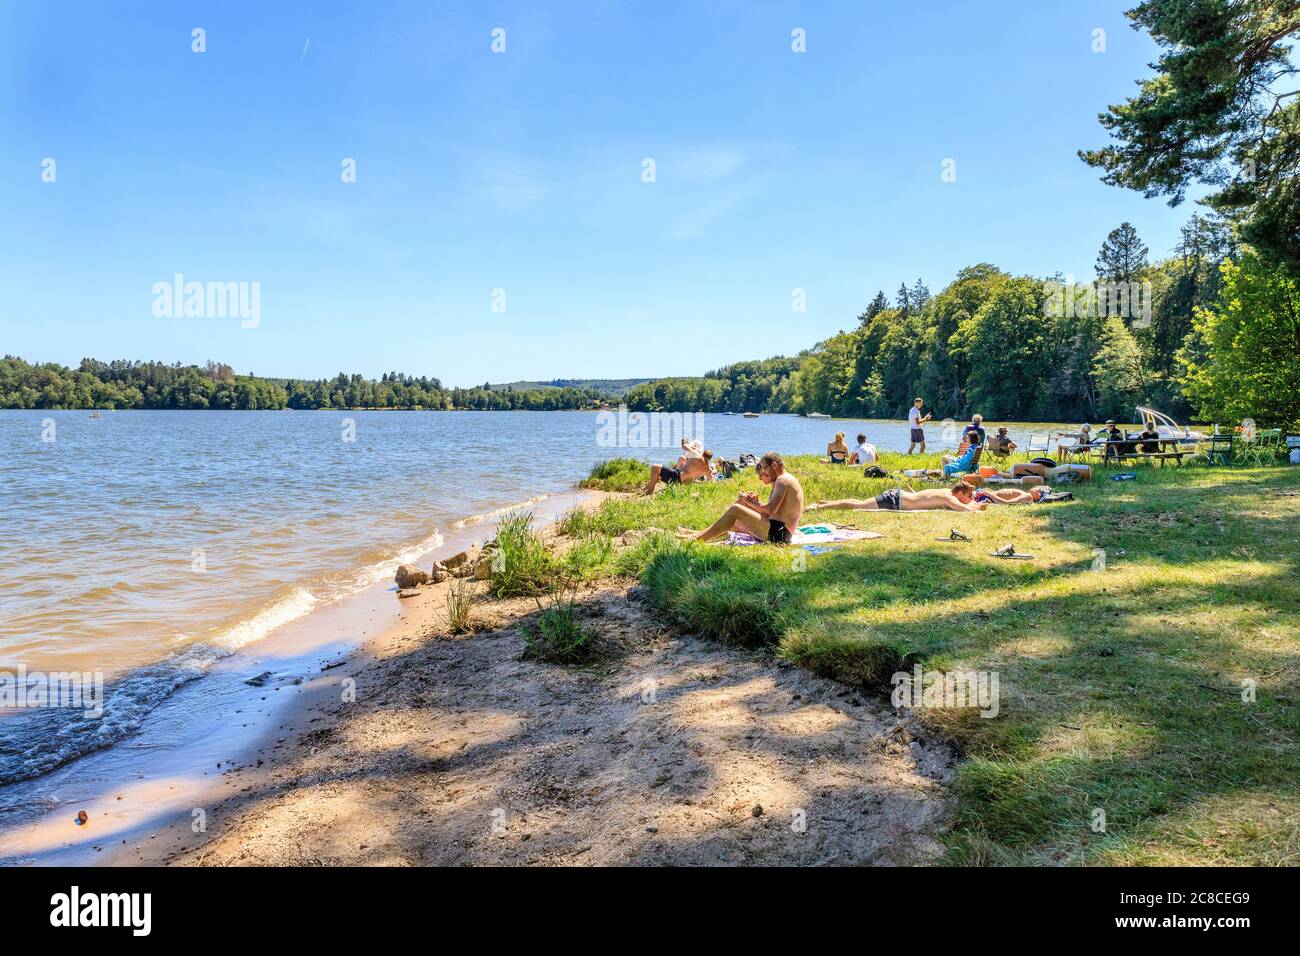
column 750, row 415
column 1166, row 426
column 817, row 415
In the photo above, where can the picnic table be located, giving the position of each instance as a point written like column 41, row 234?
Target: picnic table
column 1128, row 449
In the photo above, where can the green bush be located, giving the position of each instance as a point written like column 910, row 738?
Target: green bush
column 526, row 567
column 559, row 637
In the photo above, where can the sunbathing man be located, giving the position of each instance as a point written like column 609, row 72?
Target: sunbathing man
column 691, row 466
column 772, row 521
column 960, row 497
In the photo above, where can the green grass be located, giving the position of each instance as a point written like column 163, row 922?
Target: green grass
column 1120, row 689
column 618, row 474
column 526, row 567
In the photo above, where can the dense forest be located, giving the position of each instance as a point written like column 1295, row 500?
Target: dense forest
column 123, row 384
column 1008, row 347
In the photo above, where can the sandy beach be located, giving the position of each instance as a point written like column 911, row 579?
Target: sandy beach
column 674, row 750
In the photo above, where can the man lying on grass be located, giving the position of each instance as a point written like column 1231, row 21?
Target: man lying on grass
column 960, row 497
column 772, row 521
column 691, row 466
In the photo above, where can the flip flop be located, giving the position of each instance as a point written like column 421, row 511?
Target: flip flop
column 1009, row 551
column 955, row 535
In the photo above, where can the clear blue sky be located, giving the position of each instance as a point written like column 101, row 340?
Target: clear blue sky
column 523, row 171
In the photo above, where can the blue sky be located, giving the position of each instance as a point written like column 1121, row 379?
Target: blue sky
column 522, row 171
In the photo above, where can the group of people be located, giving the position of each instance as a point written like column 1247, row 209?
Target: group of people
column 973, row 435
column 775, row 519
column 840, row 454
column 1084, row 439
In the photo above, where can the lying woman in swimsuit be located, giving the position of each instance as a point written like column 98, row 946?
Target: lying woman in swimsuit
column 960, row 497
column 1010, row 496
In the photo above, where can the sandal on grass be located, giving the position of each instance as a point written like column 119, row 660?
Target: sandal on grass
column 1009, row 551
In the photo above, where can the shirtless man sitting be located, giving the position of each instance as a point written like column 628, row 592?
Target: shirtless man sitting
column 691, row 466
column 771, row 521
column 960, row 497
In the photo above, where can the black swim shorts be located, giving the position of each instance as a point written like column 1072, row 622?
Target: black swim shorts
column 669, row 476
column 918, row 434
column 890, row 500
column 777, row 532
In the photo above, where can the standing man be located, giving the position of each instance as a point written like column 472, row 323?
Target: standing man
column 916, row 421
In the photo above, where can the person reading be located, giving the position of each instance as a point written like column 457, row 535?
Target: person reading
column 772, row 521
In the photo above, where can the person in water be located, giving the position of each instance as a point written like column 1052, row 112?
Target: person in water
column 691, row 466
column 960, row 497
column 772, row 521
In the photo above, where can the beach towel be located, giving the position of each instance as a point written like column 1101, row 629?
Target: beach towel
column 1126, row 476
column 809, row 534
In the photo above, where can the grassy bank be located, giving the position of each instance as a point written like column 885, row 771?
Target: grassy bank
column 1121, row 689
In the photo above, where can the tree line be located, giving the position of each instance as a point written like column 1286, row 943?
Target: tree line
column 157, row 385
column 1009, row 347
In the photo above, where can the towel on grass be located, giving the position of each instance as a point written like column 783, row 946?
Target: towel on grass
column 809, row 534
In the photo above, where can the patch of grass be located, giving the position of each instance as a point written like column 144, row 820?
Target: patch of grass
column 559, row 635
column 1121, row 689
column 526, row 567
column 618, row 474
column 460, row 606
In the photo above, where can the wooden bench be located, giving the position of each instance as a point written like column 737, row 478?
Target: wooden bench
column 1162, row 455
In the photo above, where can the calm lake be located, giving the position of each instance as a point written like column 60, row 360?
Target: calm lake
column 147, row 545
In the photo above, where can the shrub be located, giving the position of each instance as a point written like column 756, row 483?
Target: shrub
column 460, row 606
column 526, row 567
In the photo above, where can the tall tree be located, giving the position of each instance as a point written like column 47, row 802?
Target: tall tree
column 904, row 298
column 1223, row 109
column 920, row 295
column 1248, row 361
column 879, row 304
column 1123, row 255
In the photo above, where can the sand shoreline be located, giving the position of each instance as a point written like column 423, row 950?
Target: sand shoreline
column 456, row 751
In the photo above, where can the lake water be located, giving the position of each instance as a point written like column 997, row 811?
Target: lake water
column 146, row 546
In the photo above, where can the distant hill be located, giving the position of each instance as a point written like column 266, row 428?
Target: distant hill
column 609, row 386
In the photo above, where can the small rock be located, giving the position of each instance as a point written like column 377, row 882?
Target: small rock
column 408, row 592
column 460, row 559
column 259, row 680
column 410, row 577
column 82, row 818
column 483, row 568
column 757, row 810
